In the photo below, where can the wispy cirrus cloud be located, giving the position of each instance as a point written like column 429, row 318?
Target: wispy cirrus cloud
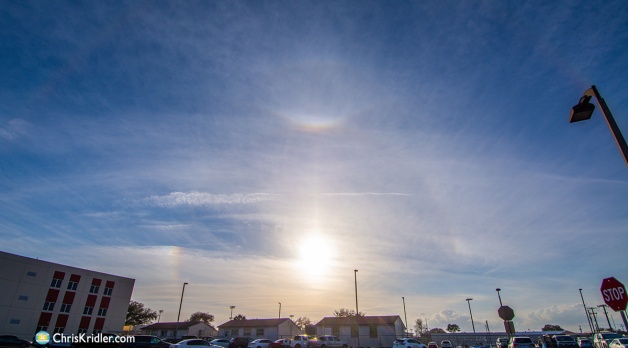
column 196, row 198
column 14, row 128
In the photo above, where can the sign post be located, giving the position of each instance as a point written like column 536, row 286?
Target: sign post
column 614, row 295
column 508, row 315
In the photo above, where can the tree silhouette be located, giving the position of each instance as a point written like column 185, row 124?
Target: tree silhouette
column 453, row 328
column 302, row 322
column 201, row 317
column 138, row 315
column 344, row 313
column 550, row 327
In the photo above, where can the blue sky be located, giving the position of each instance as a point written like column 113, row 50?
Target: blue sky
column 263, row 150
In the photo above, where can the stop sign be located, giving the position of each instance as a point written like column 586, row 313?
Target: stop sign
column 506, row 313
column 614, row 294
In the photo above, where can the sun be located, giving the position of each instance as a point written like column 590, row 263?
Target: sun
column 316, row 254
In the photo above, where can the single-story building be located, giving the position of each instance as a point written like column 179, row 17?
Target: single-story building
column 366, row 331
column 271, row 329
column 184, row 328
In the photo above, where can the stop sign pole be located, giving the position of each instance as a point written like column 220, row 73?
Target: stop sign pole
column 614, row 295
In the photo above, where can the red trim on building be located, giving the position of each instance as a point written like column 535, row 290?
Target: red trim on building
column 68, row 298
column 62, row 320
column 44, row 319
column 52, row 295
column 84, row 323
column 100, row 323
column 91, row 301
column 59, row 275
column 110, row 284
column 75, row 278
column 96, row 281
column 104, row 302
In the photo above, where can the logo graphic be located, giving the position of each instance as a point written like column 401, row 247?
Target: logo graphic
column 42, row 337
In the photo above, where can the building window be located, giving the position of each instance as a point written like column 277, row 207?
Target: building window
column 107, row 291
column 373, row 331
column 102, row 312
column 88, row 310
column 247, row 332
column 354, row 331
column 335, row 330
column 96, row 332
column 56, row 283
column 72, row 285
column 14, row 321
column 260, row 332
column 65, row 308
column 94, row 289
column 82, row 331
column 41, row 328
column 49, row 306
column 23, row 298
column 58, row 330
column 31, row 274
column 234, row 332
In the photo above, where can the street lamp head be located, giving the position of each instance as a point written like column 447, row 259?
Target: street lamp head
column 469, row 299
column 185, row 283
column 582, row 111
column 498, row 289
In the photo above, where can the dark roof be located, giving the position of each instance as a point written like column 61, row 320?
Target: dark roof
column 372, row 320
column 253, row 322
column 173, row 325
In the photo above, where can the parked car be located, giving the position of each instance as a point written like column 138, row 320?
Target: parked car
column 111, row 342
column 432, row 345
column 223, row 342
column 194, row 342
column 327, row 341
column 564, row 341
column 280, row 343
column 603, row 339
column 408, row 343
column 521, row 342
column 146, row 341
column 619, row 343
column 502, row 342
column 13, row 341
column 260, row 343
column 446, row 344
column 584, row 342
column 239, row 342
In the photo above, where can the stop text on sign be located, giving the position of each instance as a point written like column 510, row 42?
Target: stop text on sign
column 613, row 294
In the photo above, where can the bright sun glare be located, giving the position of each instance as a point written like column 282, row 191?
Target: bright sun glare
column 315, row 255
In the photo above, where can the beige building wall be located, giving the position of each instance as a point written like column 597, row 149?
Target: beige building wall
column 26, row 285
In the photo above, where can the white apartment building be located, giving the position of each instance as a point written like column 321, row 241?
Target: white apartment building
column 37, row 295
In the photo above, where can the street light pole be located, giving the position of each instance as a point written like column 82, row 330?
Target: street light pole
column 159, row 318
column 586, row 312
column 176, row 330
column 279, row 310
column 232, row 308
column 500, row 298
column 583, row 111
column 355, row 276
column 404, row 314
column 470, row 313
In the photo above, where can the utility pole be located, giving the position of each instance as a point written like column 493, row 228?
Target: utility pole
column 606, row 313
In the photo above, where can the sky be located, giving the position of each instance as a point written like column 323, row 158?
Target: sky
column 264, row 150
